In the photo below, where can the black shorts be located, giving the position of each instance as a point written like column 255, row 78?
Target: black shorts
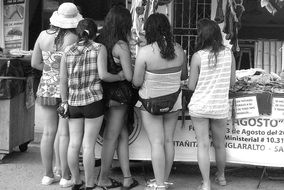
column 92, row 110
column 120, row 91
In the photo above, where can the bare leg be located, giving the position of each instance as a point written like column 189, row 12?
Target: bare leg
column 123, row 155
column 47, row 141
column 170, row 122
column 57, row 161
column 63, row 147
column 201, row 127
column 92, row 129
column 155, row 132
column 218, row 127
column 114, row 124
column 76, row 129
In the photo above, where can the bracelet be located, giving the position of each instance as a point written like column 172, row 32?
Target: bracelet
column 135, row 87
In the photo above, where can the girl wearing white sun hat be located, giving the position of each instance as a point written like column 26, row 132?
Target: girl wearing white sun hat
column 47, row 53
column 67, row 16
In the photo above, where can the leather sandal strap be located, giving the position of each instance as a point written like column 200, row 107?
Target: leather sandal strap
column 159, row 186
column 127, row 177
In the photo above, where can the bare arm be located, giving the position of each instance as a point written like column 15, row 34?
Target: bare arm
column 233, row 71
column 36, row 61
column 184, row 68
column 139, row 69
column 121, row 50
column 63, row 79
column 102, row 67
column 194, row 71
column 69, row 39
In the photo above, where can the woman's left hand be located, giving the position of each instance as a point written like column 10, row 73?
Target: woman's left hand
column 122, row 77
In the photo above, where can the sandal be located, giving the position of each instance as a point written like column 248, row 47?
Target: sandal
column 89, row 188
column 77, row 186
column 132, row 185
column 221, row 180
column 114, row 184
column 152, row 182
column 203, row 187
column 159, row 186
column 154, row 186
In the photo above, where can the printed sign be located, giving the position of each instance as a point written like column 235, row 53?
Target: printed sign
column 1, row 24
column 277, row 107
column 14, row 19
column 253, row 141
column 245, row 107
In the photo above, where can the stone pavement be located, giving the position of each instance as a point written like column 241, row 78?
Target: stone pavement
column 23, row 171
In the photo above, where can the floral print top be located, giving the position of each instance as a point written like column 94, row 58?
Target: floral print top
column 49, row 82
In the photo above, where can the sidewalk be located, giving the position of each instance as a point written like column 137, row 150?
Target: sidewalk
column 23, row 171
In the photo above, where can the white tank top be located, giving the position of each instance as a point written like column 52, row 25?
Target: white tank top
column 156, row 85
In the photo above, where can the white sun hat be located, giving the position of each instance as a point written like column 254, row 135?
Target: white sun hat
column 67, row 16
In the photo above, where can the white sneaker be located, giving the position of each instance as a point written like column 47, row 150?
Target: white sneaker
column 65, row 183
column 47, row 180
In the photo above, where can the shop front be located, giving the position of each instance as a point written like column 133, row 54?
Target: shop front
column 255, row 131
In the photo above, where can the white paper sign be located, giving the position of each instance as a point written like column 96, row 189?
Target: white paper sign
column 246, row 107
column 277, row 107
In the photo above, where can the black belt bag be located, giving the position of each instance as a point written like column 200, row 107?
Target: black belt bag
column 160, row 105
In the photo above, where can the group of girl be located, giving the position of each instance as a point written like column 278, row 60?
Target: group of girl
column 91, row 77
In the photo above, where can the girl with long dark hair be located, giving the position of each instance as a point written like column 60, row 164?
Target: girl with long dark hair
column 212, row 72
column 118, row 96
column 159, row 68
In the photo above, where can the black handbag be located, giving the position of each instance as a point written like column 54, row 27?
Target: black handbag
column 61, row 109
column 121, row 91
column 160, row 105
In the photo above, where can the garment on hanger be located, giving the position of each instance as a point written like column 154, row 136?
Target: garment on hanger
column 234, row 11
column 269, row 7
column 279, row 3
column 219, row 16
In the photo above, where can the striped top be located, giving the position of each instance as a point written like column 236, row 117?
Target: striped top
column 211, row 96
column 84, row 83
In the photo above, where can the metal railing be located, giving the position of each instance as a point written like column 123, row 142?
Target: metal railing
column 186, row 14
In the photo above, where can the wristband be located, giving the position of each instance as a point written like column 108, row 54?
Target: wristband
column 135, row 87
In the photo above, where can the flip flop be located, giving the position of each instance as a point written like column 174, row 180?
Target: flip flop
column 89, row 188
column 132, row 185
column 114, row 184
column 77, row 186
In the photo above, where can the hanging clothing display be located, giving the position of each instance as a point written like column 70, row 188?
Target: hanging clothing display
column 234, row 11
column 140, row 11
column 267, row 4
column 279, row 3
column 219, row 16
